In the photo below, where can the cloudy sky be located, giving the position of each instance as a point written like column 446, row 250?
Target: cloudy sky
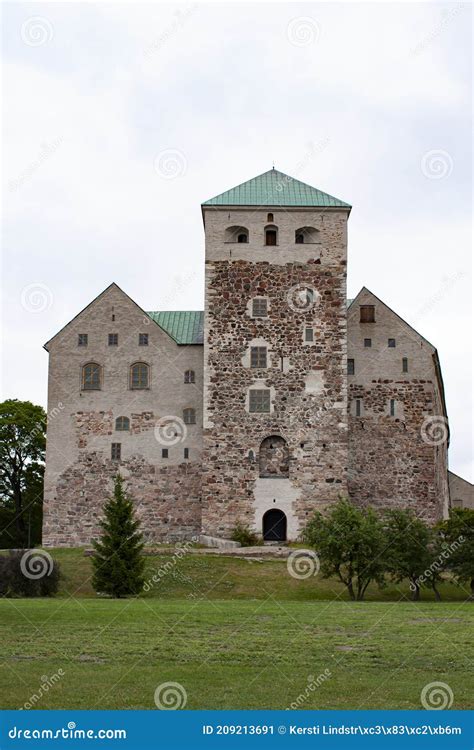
column 120, row 119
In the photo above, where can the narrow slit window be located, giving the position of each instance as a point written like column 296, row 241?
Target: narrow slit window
column 358, row 407
column 116, row 451
column 350, row 367
column 392, row 407
column 405, row 364
column 186, row 452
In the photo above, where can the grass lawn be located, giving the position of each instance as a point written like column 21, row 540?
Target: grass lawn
column 234, row 634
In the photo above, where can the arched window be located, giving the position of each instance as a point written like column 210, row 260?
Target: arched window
column 269, row 217
column 306, row 236
column 139, row 376
column 189, row 416
column 91, row 377
column 122, row 424
column 189, row 376
column 236, row 234
column 271, row 235
column 274, row 457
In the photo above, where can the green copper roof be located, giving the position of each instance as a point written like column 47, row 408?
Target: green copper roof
column 273, row 188
column 183, row 327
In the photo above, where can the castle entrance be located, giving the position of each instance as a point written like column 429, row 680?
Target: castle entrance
column 274, row 526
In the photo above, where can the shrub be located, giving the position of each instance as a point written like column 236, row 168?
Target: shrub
column 118, row 562
column 245, row 536
column 28, row 573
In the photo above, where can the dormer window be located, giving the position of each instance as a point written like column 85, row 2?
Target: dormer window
column 271, row 235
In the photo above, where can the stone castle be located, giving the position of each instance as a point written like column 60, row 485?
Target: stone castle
column 279, row 398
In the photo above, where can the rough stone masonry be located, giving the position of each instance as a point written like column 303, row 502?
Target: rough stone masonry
column 280, row 398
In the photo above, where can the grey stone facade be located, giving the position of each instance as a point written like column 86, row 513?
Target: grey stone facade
column 375, row 430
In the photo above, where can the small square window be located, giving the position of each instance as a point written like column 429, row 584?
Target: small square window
column 391, row 343
column 143, row 339
column 258, row 356
column 308, row 334
column 260, row 308
column 368, row 343
column 164, row 453
column 405, row 364
column 350, row 367
column 116, row 451
column 186, row 452
column 367, row 313
column 82, row 339
column 113, row 339
column 259, row 401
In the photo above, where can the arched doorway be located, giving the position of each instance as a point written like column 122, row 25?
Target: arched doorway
column 274, row 526
column 274, row 458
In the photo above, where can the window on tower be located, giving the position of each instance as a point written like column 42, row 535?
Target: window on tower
column 271, row 235
column 236, row 234
column 259, row 401
column 260, row 307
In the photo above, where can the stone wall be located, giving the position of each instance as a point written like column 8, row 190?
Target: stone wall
column 400, row 459
column 306, row 379
column 81, row 431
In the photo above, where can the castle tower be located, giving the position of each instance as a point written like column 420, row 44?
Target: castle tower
column 275, row 426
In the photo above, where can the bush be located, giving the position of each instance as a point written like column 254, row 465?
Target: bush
column 245, row 536
column 28, row 573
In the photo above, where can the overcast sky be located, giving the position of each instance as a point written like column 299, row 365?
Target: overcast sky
column 120, row 119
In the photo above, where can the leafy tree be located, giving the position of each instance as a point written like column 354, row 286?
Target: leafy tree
column 458, row 535
column 118, row 562
column 22, row 448
column 350, row 543
column 413, row 552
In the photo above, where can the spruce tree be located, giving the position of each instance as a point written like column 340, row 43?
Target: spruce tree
column 118, row 563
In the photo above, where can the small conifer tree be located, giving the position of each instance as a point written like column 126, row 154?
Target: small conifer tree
column 118, row 563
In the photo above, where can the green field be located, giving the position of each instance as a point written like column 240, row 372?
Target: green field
column 234, row 634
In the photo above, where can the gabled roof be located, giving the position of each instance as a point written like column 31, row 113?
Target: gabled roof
column 184, row 327
column 274, row 188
